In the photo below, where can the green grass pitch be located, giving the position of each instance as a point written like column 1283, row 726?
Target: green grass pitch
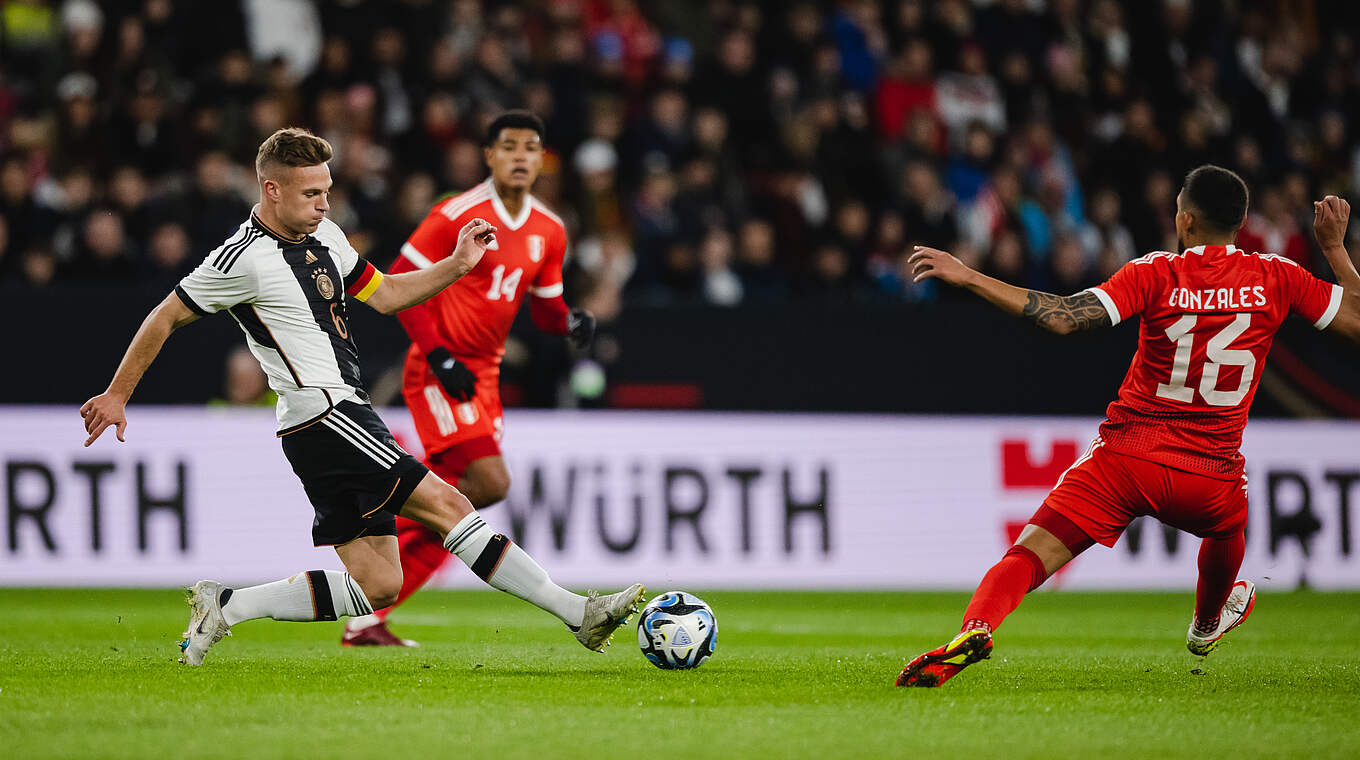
column 92, row 674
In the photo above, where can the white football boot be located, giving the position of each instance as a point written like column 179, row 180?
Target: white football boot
column 604, row 614
column 207, row 626
column 1235, row 611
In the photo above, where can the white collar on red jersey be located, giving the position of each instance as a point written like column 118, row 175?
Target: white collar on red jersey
column 1199, row 249
column 512, row 223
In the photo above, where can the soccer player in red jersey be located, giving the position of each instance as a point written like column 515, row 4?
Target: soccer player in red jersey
column 452, row 376
column 1169, row 445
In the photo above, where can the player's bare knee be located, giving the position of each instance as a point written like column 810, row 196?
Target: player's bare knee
column 447, row 507
column 493, row 487
column 455, row 504
column 382, row 589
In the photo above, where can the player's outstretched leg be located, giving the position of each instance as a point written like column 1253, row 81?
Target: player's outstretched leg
column 1203, row 637
column 484, row 480
column 422, row 554
column 1221, row 603
column 502, row 564
column 207, row 625
column 1001, row 591
column 604, row 614
column 939, row 665
column 505, row 566
column 311, row 595
column 1047, row 543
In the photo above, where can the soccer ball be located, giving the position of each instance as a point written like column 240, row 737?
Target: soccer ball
column 677, row 631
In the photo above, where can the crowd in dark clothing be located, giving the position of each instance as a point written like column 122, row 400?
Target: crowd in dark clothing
column 702, row 151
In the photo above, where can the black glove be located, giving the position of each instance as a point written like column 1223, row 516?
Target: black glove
column 456, row 378
column 580, row 328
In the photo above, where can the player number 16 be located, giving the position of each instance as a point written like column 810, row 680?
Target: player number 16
column 1219, row 356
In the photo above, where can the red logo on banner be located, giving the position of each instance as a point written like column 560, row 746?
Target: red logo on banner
column 1019, row 470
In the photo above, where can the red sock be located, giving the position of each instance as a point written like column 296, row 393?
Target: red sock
column 422, row 554
column 1219, row 561
column 1019, row 572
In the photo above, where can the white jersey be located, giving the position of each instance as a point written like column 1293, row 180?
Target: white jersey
column 289, row 299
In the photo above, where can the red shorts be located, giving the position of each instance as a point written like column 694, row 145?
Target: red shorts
column 1102, row 492
column 442, row 423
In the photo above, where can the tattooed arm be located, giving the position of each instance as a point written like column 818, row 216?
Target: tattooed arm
column 1057, row 314
column 1065, row 314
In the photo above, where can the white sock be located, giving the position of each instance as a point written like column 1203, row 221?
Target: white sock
column 503, row 565
column 311, row 595
column 361, row 622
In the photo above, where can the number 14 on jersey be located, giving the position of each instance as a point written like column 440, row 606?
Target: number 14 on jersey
column 502, row 285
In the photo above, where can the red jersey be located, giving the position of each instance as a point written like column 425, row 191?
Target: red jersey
column 472, row 317
column 1209, row 316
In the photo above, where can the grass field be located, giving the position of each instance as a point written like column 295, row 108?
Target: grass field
column 90, row 674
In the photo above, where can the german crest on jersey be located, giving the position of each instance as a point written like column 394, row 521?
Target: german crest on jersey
column 325, row 286
column 536, row 244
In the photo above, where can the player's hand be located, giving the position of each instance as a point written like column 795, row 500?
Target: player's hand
column 927, row 263
column 1330, row 216
column 473, row 241
column 580, row 328
column 102, row 411
column 454, row 375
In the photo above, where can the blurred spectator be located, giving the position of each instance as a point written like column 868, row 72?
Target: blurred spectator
column 996, row 209
column 103, row 251
column 654, row 220
column 127, row 194
column 1103, row 238
column 607, row 259
column 1045, row 216
column 970, row 168
column 79, row 138
column 1070, row 269
column 907, row 86
column 290, row 29
column 38, row 266
column 970, row 94
column 721, row 286
column 860, row 42
column 63, row 208
column 762, row 280
column 243, row 382
column 979, row 126
column 928, row 209
column 832, row 279
column 599, row 202
column 733, row 86
column 214, row 204
column 169, row 256
column 1271, row 228
column 143, row 135
column 1153, row 221
column 17, row 205
column 662, row 138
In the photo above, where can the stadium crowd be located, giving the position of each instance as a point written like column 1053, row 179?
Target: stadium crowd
column 702, row 151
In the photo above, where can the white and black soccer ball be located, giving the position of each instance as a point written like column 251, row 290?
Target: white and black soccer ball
column 677, row 631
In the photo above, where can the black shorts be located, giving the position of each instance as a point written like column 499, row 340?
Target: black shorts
column 354, row 473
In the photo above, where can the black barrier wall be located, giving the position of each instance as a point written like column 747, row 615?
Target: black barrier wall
column 952, row 357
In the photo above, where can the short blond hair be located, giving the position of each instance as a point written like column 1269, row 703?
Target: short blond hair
column 291, row 146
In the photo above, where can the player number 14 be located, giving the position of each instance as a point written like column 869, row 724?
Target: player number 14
column 1218, row 355
column 502, row 285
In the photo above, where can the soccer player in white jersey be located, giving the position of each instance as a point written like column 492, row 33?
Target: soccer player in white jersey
column 284, row 277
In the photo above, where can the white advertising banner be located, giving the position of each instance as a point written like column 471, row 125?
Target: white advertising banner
column 696, row 500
